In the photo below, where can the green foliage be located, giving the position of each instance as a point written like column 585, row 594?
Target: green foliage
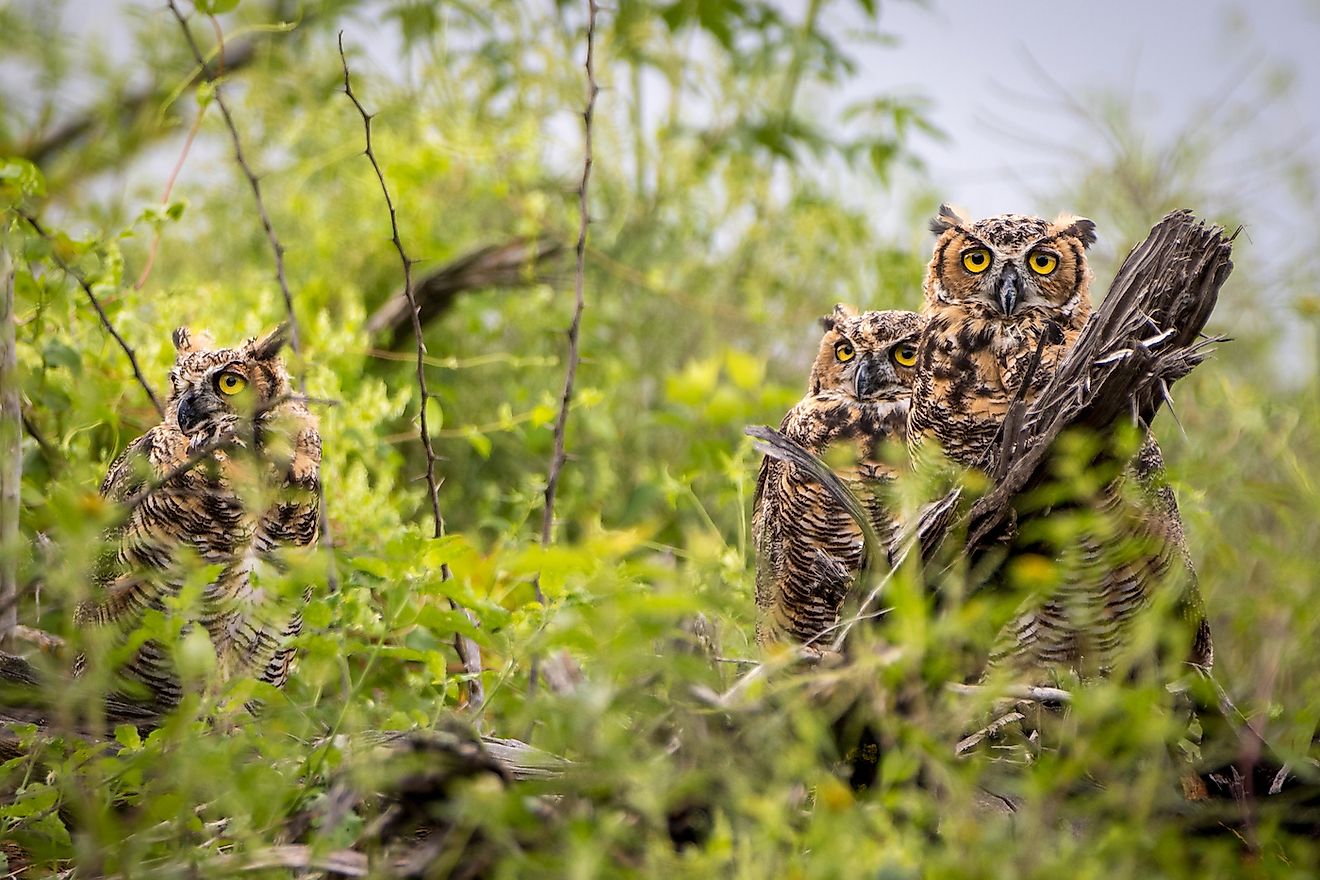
column 716, row 243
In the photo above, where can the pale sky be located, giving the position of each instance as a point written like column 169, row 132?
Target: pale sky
column 997, row 76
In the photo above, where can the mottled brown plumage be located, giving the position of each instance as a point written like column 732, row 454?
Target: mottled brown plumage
column 986, row 320
column 808, row 548
column 253, row 490
column 1005, row 299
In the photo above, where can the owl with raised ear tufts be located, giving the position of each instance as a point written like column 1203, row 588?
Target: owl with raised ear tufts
column 808, row 548
column 997, row 291
column 230, row 477
column 1005, row 299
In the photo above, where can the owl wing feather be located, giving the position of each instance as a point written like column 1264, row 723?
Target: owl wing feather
column 809, row 547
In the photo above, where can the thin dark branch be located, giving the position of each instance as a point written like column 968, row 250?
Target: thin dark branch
column 558, row 457
column 100, row 312
column 11, row 459
column 202, row 453
column 53, row 457
column 295, row 336
column 468, row 651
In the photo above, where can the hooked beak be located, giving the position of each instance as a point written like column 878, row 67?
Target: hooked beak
column 1008, row 292
column 866, row 382
column 190, row 413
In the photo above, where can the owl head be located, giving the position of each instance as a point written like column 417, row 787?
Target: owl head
column 213, row 390
column 868, row 357
column 1011, row 265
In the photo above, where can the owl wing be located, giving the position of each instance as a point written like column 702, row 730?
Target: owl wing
column 808, row 547
column 126, row 580
column 1165, row 521
column 1112, row 577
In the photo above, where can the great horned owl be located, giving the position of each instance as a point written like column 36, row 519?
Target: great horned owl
column 253, row 489
column 996, row 292
column 1005, row 299
column 808, row 549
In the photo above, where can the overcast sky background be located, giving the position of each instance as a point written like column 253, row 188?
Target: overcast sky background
column 995, row 72
column 996, row 75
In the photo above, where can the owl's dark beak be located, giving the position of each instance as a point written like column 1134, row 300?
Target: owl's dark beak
column 866, row 380
column 190, row 413
column 1008, row 290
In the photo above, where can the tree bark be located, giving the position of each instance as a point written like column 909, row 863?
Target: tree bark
column 514, row 263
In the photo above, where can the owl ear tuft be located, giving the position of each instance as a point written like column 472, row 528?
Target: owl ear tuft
column 266, row 347
column 1078, row 227
column 187, row 340
column 841, row 311
column 946, row 219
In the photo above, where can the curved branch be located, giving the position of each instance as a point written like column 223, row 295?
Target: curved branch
column 469, row 653
column 100, row 313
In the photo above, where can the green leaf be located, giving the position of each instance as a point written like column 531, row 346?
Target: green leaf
column 34, row 799
column 480, row 442
column 127, row 736
column 746, row 370
column 20, row 179
column 435, row 415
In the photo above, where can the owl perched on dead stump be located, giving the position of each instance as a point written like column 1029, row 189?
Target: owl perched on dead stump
column 229, row 478
column 1006, row 298
column 808, row 548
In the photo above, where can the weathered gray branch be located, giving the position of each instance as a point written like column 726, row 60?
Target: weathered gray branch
column 515, row 263
column 1144, row 337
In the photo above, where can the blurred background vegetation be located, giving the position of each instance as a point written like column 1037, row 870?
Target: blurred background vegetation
column 744, row 156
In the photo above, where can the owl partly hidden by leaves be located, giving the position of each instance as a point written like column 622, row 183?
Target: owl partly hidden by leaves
column 252, row 489
column 1005, row 299
column 808, row 549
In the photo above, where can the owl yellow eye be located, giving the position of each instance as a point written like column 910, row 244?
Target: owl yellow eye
column 976, row 260
column 1042, row 263
column 844, row 351
column 904, row 354
column 230, row 383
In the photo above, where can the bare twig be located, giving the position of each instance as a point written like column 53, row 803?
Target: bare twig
column 1033, row 693
column 11, row 461
column 100, row 312
column 295, row 336
column 990, row 731
column 558, row 457
column 468, row 651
